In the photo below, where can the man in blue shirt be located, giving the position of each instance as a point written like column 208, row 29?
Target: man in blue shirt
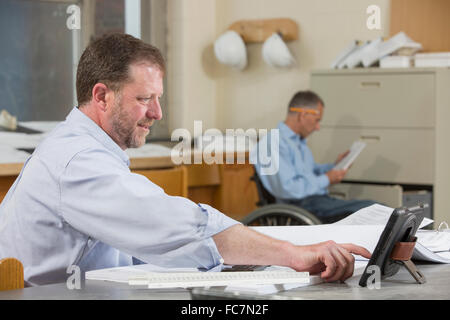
column 76, row 202
column 299, row 179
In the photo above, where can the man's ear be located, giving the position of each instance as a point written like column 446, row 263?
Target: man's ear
column 99, row 96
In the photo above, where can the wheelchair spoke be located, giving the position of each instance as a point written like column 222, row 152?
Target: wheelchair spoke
column 280, row 215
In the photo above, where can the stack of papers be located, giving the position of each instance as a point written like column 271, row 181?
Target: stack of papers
column 396, row 62
column 369, row 53
column 435, row 59
column 353, row 46
column 359, row 58
column 400, row 43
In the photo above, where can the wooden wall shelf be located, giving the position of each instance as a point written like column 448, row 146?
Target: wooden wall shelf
column 254, row 31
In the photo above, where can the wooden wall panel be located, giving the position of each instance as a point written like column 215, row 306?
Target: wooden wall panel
column 425, row 21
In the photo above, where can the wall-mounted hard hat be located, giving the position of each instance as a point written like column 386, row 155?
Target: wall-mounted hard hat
column 276, row 53
column 230, row 49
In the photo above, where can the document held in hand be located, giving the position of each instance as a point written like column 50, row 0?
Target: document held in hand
column 355, row 150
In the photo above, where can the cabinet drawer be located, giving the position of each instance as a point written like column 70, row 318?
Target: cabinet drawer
column 391, row 155
column 377, row 100
column 388, row 195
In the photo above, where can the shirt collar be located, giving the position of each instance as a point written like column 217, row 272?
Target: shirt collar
column 86, row 124
column 287, row 132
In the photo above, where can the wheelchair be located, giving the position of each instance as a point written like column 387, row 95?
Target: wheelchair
column 271, row 213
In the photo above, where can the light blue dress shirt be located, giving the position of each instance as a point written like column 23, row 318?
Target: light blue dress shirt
column 298, row 175
column 76, row 202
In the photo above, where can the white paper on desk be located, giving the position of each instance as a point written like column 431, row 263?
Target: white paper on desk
column 43, row 126
column 433, row 240
column 424, row 254
column 9, row 154
column 363, row 235
column 149, row 150
column 375, row 214
column 21, row 140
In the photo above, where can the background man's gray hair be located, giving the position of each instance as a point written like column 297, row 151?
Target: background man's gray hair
column 305, row 99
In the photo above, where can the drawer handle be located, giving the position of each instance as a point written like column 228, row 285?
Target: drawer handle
column 371, row 138
column 370, row 84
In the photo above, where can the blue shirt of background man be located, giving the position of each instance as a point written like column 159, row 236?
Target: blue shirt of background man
column 298, row 175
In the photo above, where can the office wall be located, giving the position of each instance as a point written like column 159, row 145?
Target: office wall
column 191, row 90
column 201, row 88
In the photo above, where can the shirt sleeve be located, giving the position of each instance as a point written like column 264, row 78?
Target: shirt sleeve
column 288, row 183
column 100, row 197
column 322, row 168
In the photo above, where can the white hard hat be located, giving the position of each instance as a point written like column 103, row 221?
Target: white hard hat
column 230, row 50
column 276, row 53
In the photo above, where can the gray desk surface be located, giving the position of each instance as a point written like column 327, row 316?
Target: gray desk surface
column 401, row 286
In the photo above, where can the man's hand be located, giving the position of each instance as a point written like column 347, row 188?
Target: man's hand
column 336, row 176
column 242, row 245
column 333, row 261
column 342, row 156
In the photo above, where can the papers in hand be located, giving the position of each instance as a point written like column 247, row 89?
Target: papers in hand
column 355, row 150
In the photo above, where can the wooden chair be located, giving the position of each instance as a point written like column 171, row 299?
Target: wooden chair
column 172, row 180
column 11, row 274
column 5, row 183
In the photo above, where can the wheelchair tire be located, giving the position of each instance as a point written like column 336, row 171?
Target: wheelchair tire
column 280, row 215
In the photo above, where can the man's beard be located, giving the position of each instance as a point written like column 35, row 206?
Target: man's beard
column 125, row 128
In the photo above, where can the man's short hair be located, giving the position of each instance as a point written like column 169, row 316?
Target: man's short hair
column 107, row 60
column 305, row 99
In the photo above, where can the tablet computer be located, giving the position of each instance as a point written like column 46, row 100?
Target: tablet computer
column 401, row 227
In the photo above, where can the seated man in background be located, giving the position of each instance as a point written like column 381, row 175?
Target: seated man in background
column 76, row 202
column 300, row 180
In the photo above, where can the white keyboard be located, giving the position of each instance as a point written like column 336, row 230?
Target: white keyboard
column 209, row 279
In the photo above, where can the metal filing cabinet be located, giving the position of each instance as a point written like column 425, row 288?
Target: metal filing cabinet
column 403, row 115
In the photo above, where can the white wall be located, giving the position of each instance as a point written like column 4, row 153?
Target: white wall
column 202, row 89
column 192, row 93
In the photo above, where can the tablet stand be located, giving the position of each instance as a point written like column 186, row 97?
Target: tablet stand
column 402, row 253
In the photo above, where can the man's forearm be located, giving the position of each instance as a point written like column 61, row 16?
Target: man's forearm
column 241, row 245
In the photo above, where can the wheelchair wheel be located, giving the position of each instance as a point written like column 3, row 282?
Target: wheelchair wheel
column 280, row 215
